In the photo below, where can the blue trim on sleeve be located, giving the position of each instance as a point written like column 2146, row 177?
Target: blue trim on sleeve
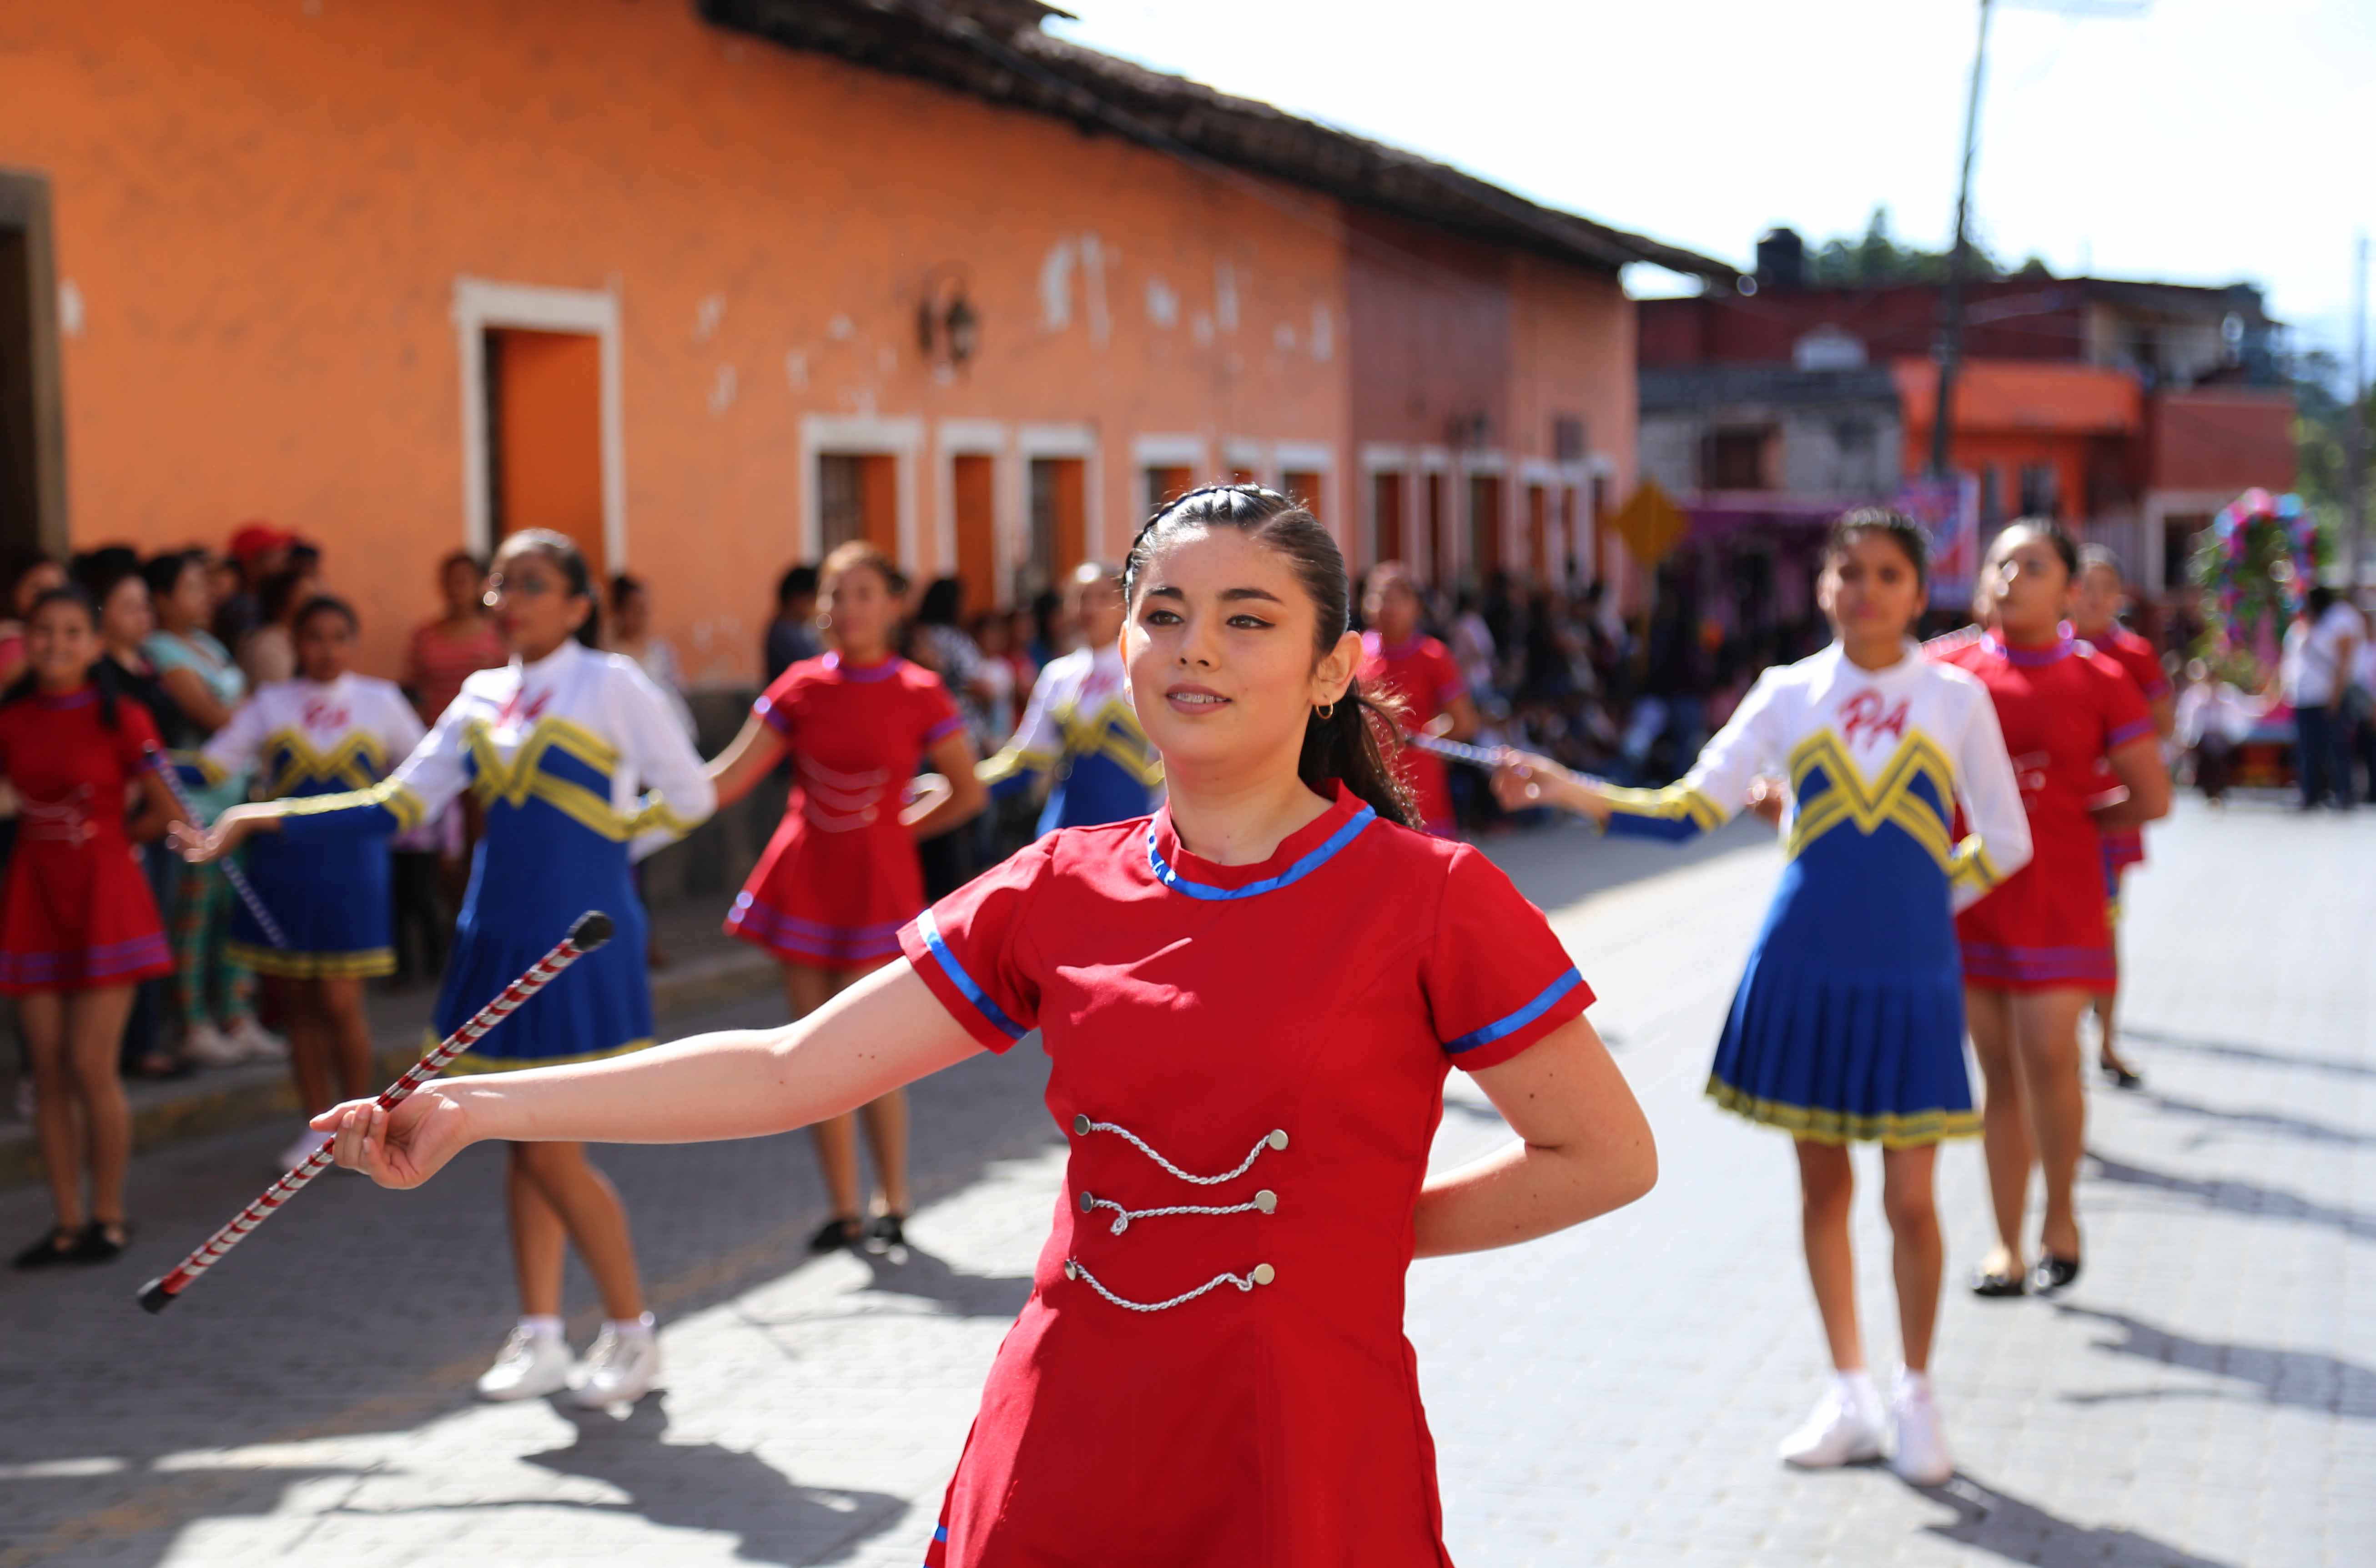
column 940, row 1534
column 930, row 930
column 1294, row 874
column 1519, row 1019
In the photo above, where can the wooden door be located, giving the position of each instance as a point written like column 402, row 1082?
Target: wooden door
column 972, row 495
column 1539, row 528
column 1484, row 526
column 546, row 397
column 1387, row 510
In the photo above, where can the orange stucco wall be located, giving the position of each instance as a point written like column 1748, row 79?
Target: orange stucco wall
column 264, row 210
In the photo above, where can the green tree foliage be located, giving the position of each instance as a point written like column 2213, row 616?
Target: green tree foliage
column 1877, row 260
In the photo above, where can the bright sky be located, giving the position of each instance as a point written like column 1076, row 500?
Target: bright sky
column 2200, row 141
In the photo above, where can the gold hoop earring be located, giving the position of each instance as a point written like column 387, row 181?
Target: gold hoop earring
column 1326, row 710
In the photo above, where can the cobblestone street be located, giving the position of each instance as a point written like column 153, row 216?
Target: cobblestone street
column 2205, row 1396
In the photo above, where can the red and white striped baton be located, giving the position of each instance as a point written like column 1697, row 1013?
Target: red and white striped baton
column 239, row 882
column 592, row 929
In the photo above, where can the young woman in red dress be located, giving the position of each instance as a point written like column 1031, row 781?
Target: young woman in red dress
column 78, row 928
column 840, row 877
column 1251, row 1001
column 2096, row 616
column 2039, row 946
column 1401, row 661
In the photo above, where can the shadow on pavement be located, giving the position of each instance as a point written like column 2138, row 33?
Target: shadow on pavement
column 702, row 1486
column 911, row 1271
column 2232, row 1197
column 2301, row 1380
column 2270, row 1121
column 2005, row 1525
column 2228, row 1051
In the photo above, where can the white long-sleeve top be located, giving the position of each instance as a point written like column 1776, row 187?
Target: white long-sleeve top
column 554, row 730
column 307, row 738
column 1862, row 749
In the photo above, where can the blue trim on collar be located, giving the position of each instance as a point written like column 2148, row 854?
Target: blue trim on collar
column 1517, row 1020
column 930, row 930
column 1294, row 874
column 881, row 671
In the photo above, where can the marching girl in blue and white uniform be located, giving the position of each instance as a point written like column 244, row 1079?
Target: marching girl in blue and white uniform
column 579, row 762
column 1848, row 1024
column 328, row 731
column 1079, row 729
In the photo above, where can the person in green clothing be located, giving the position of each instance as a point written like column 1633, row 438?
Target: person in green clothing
column 215, row 997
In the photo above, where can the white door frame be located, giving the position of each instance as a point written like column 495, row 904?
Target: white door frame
column 862, row 435
column 1317, row 457
column 479, row 304
column 1033, row 441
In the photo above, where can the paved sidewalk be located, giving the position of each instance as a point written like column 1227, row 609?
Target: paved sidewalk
column 2207, row 1394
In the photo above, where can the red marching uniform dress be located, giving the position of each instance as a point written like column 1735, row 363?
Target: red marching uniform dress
column 2063, row 709
column 1249, row 1063
column 79, row 914
column 1423, row 674
column 840, row 875
column 2125, row 847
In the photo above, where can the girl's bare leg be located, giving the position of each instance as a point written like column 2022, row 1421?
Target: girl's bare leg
column 2046, row 1043
column 1919, row 1256
column 95, row 1033
column 805, row 990
column 587, row 1206
column 1826, row 1189
column 42, row 1015
column 2004, row 1123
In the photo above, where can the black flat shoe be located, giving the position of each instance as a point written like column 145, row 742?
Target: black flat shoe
column 1996, row 1286
column 837, row 1235
column 58, row 1246
column 886, row 1232
column 2121, row 1078
column 97, row 1247
column 2052, row 1274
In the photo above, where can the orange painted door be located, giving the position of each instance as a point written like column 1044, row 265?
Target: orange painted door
column 1539, row 528
column 1439, row 539
column 1387, row 504
column 878, row 502
column 1069, row 501
column 1301, row 485
column 1164, row 483
column 971, row 492
column 546, row 435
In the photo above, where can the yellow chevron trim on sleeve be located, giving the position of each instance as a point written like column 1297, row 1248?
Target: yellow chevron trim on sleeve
column 1675, row 803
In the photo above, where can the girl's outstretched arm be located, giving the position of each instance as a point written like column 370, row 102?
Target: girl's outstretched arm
column 887, row 1030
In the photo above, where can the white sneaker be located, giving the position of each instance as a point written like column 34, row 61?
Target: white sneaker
column 210, row 1047
column 619, row 1368
column 298, row 1153
column 529, row 1366
column 261, row 1043
column 1921, row 1452
column 1842, row 1429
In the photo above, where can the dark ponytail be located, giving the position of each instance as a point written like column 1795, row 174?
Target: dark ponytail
column 1348, row 743
column 566, row 558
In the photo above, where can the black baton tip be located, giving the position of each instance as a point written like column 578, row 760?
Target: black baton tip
column 155, row 1296
column 592, row 929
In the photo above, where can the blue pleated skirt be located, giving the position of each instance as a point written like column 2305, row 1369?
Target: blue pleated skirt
column 1848, row 1023
column 329, row 897
column 535, row 872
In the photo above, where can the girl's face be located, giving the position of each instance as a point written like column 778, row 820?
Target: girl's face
column 632, row 614
column 125, row 617
column 534, row 608
column 192, row 599
column 459, row 582
column 862, row 610
column 2097, row 603
column 2025, row 588
column 990, row 635
column 1096, row 609
column 1219, row 652
column 39, row 579
column 1391, row 605
column 61, row 645
column 323, row 642
column 1869, row 589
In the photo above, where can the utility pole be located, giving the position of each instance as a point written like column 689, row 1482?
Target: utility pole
column 2355, row 431
column 1951, row 335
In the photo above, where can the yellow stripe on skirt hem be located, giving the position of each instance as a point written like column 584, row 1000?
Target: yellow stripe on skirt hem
column 471, row 1061
column 1891, row 1130
column 365, row 962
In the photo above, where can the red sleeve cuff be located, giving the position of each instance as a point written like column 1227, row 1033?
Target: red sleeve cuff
column 1558, row 1003
column 927, row 953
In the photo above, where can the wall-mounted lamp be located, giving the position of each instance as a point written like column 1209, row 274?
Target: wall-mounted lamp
column 947, row 326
